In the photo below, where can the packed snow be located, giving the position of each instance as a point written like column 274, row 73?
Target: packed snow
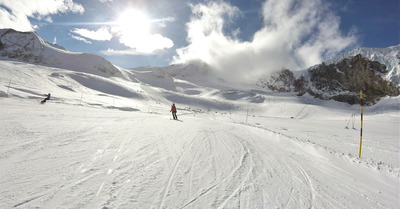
column 110, row 142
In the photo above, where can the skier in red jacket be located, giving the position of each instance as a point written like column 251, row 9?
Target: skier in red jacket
column 173, row 110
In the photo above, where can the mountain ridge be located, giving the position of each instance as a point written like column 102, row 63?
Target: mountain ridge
column 341, row 80
column 30, row 47
column 389, row 56
column 188, row 82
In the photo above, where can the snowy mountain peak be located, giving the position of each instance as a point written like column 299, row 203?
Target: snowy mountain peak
column 29, row 47
column 388, row 56
column 33, row 46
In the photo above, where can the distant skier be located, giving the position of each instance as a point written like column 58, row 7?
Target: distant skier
column 173, row 110
column 45, row 99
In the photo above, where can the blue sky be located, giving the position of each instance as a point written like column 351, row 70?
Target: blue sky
column 231, row 35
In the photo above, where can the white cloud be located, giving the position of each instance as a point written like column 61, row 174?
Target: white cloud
column 81, row 39
column 295, row 35
column 122, row 52
column 147, row 44
column 55, row 40
column 102, row 34
column 48, row 19
column 15, row 20
column 163, row 21
column 16, row 16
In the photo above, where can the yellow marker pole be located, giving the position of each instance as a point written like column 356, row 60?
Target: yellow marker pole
column 362, row 103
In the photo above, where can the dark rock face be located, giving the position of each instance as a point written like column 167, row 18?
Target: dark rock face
column 341, row 81
column 20, row 45
column 300, row 85
column 281, row 82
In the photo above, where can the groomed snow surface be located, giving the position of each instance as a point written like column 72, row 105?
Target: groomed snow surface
column 117, row 147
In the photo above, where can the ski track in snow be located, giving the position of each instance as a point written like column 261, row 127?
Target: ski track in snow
column 118, row 160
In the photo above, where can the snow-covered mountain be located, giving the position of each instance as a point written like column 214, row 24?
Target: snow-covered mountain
column 374, row 71
column 388, row 56
column 196, row 82
column 67, row 73
column 29, row 47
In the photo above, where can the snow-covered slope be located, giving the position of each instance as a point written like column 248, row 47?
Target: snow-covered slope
column 388, row 56
column 95, row 144
column 29, row 47
column 193, row 84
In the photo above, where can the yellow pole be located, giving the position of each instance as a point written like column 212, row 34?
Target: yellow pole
column 362, row 103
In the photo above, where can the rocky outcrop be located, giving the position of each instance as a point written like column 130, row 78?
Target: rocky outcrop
column 341, row 81
column 24, row 46
column 281, row 82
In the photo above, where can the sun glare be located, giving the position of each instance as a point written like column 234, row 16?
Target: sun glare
column 134, row 20
column 134, row 30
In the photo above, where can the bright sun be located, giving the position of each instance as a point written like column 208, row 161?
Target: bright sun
column 134, row 30
column 133, row 20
